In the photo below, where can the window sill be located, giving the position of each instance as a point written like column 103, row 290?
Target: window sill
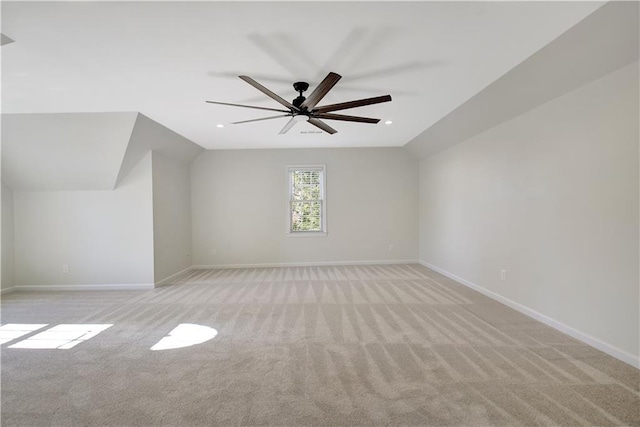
column 307, row 234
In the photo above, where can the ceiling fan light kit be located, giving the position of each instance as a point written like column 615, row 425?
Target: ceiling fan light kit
column 305, row 109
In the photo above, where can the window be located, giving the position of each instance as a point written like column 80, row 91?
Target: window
column 307, row 212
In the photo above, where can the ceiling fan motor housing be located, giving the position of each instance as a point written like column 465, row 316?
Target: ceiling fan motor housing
column 300, row 87
column 298, row 101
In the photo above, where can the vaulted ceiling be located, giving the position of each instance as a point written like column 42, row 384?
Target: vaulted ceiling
column 164, row 59
column 82, row 151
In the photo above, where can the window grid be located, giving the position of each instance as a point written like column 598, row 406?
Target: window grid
column 306, row 199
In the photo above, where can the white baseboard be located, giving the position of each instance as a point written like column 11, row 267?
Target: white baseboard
column 7, row 290
column 167, row 280
column 307, row 264
column 572, row 332
column 114, row 287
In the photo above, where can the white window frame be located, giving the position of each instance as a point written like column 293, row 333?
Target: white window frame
column 323, row 191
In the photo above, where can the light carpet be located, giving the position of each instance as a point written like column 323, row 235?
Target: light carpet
column 343, row 345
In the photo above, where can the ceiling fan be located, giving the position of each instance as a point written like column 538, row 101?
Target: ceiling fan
column 306, row 109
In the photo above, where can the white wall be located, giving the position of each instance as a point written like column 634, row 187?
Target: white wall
column 239, row 206
column 148, row 135
column 105, row 237
column 552, row 197
column 171, row 215
column 8, row 275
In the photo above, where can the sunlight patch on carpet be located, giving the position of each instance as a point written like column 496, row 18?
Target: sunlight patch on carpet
column 185, row 335
column 12, row 331
column 62, row 337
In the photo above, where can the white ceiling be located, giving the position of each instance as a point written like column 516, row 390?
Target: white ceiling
column 164, row 59
column 81, row 151
column 605, row 41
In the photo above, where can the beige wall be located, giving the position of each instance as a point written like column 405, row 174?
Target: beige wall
column 552, row 197
column 239, row 207
column 171, row 216
column 8, row 272
column 105, row 237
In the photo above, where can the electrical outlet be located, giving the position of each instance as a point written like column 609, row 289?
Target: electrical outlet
column 65, row 268
column 214, row 252
column 503, row 274
column 392, row 247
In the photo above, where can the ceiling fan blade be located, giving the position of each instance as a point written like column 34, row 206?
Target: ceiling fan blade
column 247, row 106
column 352, row 104
column 325, row 127
column 321, row 90
column 330, row 116
column 288, row 126
column 269, row 93
column 263, row 118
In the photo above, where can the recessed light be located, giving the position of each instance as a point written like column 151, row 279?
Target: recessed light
column 388, row 122
column 219, row 126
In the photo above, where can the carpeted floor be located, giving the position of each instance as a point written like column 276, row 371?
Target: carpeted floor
column 358, row 345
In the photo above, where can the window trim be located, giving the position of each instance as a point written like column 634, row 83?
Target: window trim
column 323, row 190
